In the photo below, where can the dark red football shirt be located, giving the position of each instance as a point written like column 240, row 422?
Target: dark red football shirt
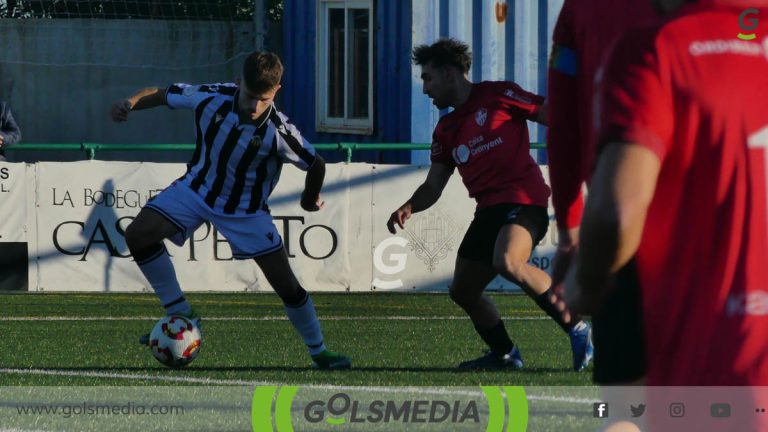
column 695, row 94
column 486, row 138
column 585, row 32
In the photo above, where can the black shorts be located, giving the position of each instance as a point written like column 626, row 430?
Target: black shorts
column 617, row 332
column 480, row 239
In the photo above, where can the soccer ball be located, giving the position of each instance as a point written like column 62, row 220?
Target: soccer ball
column 175, row 341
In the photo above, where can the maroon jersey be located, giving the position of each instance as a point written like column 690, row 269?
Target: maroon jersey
column 487, row 139
column 693, row 93
column 584, row 35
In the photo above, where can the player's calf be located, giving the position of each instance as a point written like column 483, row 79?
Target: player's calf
column 301, row 312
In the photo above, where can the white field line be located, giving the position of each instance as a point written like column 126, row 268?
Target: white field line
column 561, row 399
column 21, row 430
column 211, row 381
column 264, row 318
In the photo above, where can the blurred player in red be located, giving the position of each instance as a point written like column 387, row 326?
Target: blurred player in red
column 584, row 35
column 679, row 193
column 486, row 138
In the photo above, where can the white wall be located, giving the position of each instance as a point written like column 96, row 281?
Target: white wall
column 77, row 213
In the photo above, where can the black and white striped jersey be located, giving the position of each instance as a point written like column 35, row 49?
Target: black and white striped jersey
column 236, row 166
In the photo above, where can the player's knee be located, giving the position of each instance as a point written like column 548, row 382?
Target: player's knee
column 134, row 238
column 138, row 238
column 510, row 265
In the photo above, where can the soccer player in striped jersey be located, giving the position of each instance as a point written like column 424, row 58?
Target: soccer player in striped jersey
column 242, row 141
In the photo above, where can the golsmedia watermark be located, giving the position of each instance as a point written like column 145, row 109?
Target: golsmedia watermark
column 488, row 408
column 748, row 22
column 340, row 409
column 89, row 409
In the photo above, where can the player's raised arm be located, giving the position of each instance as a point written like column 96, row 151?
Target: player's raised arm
column 149, row 97
column 426, row 195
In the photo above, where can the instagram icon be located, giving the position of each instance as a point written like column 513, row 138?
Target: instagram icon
column 677, row 409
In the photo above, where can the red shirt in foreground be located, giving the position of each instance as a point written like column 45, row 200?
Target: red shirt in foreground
column 694, row 94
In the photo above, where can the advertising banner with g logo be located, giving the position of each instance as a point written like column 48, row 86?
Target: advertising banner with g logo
column 294, row 408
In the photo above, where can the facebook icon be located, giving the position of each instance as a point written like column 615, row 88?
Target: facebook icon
column 600, row 410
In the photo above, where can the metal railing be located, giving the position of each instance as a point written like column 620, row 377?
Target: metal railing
column 91, row 148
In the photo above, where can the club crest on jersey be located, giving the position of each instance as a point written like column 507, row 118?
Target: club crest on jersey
column 461, row 154
column 481, row 116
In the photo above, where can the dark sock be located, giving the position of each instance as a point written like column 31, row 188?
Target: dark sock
column 547, row 306
column 497, row 338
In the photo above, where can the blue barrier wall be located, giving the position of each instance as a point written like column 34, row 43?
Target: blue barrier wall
column 509, row 40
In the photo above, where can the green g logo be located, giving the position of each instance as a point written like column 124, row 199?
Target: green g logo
column 748, row 24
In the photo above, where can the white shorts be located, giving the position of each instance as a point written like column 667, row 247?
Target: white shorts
column 248, row 236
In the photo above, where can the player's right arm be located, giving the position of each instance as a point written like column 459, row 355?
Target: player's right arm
column 564, row 149
column 145, row 98
column 425, row 196
column 177, row 95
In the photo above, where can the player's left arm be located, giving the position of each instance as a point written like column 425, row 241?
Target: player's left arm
column 294, row 148
column 313, row 183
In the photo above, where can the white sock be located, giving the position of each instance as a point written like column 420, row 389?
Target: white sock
column 160, row 273
column 304, row 320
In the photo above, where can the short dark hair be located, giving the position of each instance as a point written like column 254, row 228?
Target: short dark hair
column 262, row 71
column 444, row 52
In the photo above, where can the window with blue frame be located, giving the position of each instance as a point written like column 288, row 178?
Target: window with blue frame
column 345, row 66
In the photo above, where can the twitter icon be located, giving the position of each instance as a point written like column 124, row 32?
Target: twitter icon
column 637, row 411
